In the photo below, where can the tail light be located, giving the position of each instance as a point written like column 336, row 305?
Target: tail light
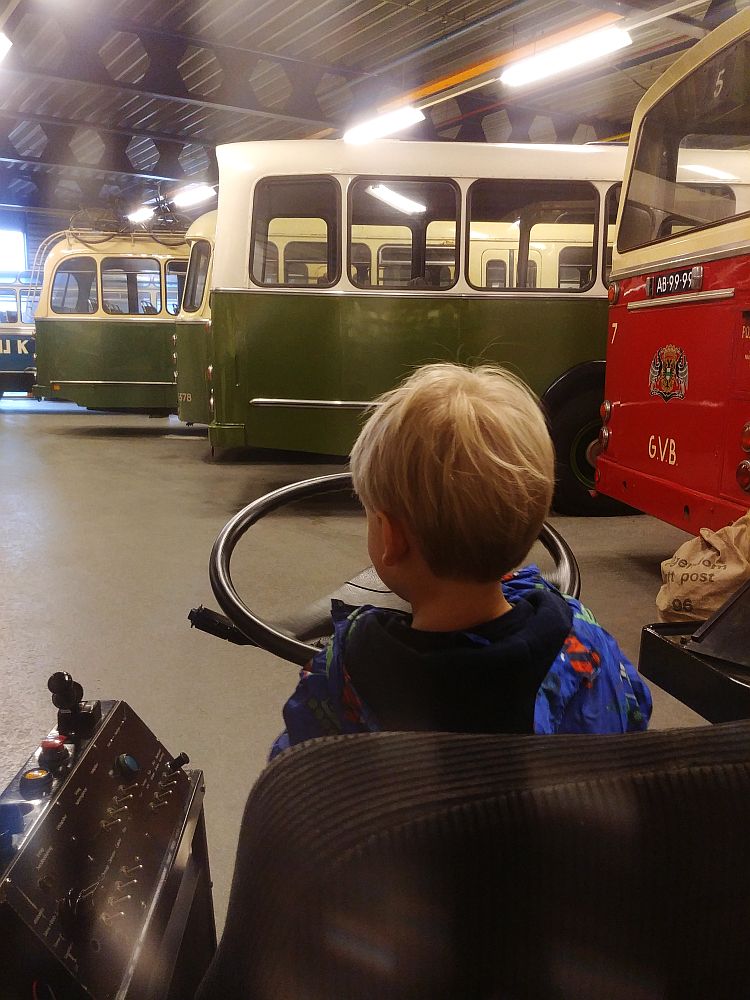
column 613, row 292
column 211, row 401
column 743, row 476
column 210, row 373
column 605, row 411
column 745, row 437
column 604, row 436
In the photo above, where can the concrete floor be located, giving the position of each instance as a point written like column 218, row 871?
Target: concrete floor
column 106, row 526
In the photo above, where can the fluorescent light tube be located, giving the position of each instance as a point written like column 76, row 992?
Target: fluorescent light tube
column 376, row 128
column 193, row 195
column 5, row 44
column 142, row 214
column 560, row 58
column 396, row 200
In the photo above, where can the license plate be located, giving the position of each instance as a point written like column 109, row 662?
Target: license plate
column 673, row 282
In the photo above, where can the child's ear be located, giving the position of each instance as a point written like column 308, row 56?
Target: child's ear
column 395, row 539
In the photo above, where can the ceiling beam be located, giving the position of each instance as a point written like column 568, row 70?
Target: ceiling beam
column 678, row 22
column 162, row 79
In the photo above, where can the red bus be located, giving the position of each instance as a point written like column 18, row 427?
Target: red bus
column 675, row 440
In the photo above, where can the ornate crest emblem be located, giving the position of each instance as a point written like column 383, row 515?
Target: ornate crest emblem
column 668, row 374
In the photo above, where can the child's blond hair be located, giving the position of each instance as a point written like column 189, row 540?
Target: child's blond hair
column 464, row 458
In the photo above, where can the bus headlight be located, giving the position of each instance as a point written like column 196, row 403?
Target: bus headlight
column 743, row 476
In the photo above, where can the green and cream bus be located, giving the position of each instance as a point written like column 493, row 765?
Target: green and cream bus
column 105, row 321
column 337, row 269
column 193, row 336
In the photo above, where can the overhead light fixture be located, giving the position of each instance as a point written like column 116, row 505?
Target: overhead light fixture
column 193, row 195
column 719, row 175
column 395, row 200
column 387, row 124
column 142, row 214
column 569, row 55
column 5, row 44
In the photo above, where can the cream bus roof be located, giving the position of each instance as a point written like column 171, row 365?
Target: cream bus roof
column 95, row 244
column 245, row 162
column 204, row 228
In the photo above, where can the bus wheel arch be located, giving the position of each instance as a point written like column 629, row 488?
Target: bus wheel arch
column 572, row 405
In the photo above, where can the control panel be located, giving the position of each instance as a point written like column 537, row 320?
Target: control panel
column 90, row 829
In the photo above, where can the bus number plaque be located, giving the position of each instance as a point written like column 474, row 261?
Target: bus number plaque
column 686, row 279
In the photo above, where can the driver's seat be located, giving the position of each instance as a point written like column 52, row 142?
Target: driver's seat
column 408, row 865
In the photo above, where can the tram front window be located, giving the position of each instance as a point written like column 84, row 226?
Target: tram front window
column 411, row 227
column 197, row 274
column 8, row 306
column 131, row 286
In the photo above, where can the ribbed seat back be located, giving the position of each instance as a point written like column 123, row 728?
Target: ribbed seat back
column 406, row 865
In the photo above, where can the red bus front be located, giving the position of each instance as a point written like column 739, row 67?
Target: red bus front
column 676, row 418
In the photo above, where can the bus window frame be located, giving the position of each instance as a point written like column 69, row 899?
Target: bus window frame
column 296, row 179
column 199, row 304
column 631, row 165
column 96, row 285
column 17, row 320
column 396, row 178
column 525, row 289
column 165, row 307
column 603, row 262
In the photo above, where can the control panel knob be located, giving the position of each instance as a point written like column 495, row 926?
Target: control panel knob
column 178, row 762
column 126, row 765
column 35, row 783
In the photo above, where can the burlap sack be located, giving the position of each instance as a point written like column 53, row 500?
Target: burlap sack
column 704, row 572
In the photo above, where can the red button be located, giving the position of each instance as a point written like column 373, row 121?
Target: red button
column 53, row 743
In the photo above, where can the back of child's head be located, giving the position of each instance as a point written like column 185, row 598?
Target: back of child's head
column 463, row 457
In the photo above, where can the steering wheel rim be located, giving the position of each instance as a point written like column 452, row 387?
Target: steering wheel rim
column 262, row 633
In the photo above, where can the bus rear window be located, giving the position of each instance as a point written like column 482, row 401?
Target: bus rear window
column 297, row 219
column 690, row 168
column 175, row 276
column 197, row 274
column 74, row 286
column 131, row 286
column 532, row 235
column 410, row 229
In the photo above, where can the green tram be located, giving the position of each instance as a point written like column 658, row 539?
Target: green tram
column 105, row 321
column 337, row 269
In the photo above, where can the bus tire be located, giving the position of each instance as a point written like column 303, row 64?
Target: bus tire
column 574, row 427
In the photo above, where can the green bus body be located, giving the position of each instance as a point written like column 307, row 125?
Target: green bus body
column 333, row 272
column 272, row 345
column 107, row 363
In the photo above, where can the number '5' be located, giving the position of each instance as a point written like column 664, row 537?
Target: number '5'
column 719, row 85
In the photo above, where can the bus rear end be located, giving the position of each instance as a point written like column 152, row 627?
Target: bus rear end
column 675, row 440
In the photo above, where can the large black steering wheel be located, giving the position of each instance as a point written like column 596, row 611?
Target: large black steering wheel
column 366, row 588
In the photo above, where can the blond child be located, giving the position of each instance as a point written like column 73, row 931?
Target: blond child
column 455, row 470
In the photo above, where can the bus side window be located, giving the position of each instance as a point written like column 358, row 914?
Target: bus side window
column 524, row 222
column 175, row 284
column 610, row 218
column 302, row 216
column 410, row 225
column 8, row 306
column 74, row 286
column 29, row 302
